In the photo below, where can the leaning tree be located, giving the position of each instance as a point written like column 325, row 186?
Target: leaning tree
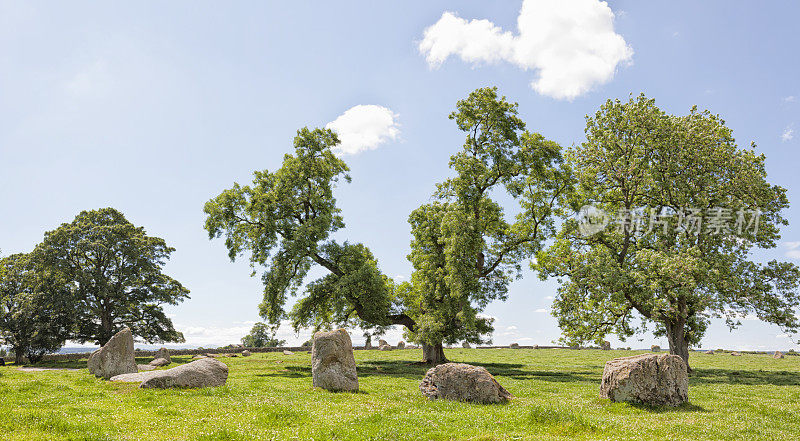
column 36, row 308
column 464, row 250
column 284, row 220
column 683, row 209
column 115, row 269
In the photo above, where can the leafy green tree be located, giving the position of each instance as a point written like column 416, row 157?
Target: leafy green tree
column 262, row 336
column 691, row 208
column 116, row 271
column 284, row 219
column 465, row 249
column 36, row 308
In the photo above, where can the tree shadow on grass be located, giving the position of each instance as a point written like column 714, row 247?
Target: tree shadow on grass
column 415, row 371
column 685, row 407
column 733, row 376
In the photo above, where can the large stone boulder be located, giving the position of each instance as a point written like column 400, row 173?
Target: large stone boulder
column 606, row 346
column 655, row 379
column 777, row 355
column 206, row 372
column 514, row 345
column 401, row 345
column 655, row 348
column 385, row 348
column 465, row 345
column 246, row 353
column 159, row 362
column 333, row 366
column 115, row 357
column 163, row 353
column 463, row 382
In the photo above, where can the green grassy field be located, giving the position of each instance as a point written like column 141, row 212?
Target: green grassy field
column 269, row 396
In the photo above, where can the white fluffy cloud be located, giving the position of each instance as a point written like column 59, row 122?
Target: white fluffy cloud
column 571, row 45
column 364, row 127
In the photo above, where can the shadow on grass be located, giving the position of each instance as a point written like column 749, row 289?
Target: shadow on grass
column 81, row 364
column 732, row 376
column 685, row 407
column 415, row 371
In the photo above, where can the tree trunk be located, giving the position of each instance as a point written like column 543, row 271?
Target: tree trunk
column 677, row 342
column 19, row 356
column 106, row 328
column 433, row 354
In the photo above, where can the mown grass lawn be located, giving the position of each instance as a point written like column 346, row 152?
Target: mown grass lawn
column 269, row 396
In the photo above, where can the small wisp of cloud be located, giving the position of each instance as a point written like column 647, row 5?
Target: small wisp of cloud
column 788, row 133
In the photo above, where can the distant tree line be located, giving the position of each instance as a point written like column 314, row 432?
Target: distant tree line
column 84, row 282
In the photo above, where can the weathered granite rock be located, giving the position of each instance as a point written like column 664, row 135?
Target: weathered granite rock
column 288, row 352
column 145, row 367
column 514, row 345
column 709, row 352
column 382, row 342
column 777, row 355
column 385, row 348
column 159, row 362
column 656, row 379
column 115, row 357
column 606, row 346
column 198, row 357
column 655, row 348
column 736, row 354
column 246, row 353
column 163, row 353
column 206, row 372
column 333, row 366
column 463, row 382
column 465, row 345
column 401, row 345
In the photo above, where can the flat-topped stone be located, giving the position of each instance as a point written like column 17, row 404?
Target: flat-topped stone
column 656, row 379
column 206, row 372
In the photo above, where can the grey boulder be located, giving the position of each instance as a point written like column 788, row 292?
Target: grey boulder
column 463, row 382
column 159, row 362
column 654, row 379
column 246, row 353
column 115, row 357
column 333, row 366
column 206, row 372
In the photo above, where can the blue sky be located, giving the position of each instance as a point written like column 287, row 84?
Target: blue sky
column 155, row 107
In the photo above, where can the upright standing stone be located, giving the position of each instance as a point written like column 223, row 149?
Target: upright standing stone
column 657, row 379
column 333, row 366
column 382, row 342
column 163, row 353
column 465, row 345
column 115, row 357
column 655, row 348
column 401, row 345
column 777, row 355
column 606, row 345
